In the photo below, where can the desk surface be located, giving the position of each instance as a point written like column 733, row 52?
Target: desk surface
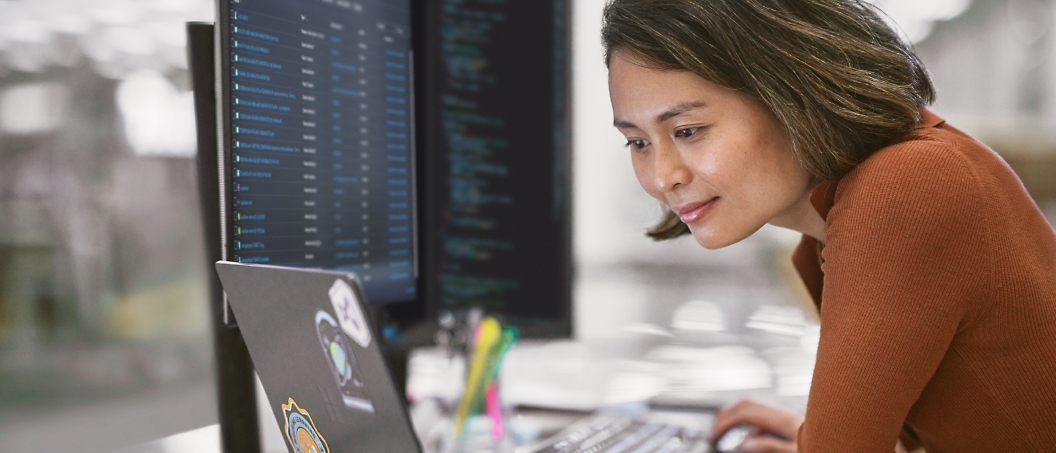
column 679, row 381
column 207, row 439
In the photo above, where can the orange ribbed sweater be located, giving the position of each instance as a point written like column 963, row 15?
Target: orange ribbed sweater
column 937, row 298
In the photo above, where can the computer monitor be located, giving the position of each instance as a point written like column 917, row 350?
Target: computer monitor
column 317, row 159
column 496, row 109
column 318, row 106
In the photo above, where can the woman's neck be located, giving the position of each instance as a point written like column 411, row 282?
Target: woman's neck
column 802, row 217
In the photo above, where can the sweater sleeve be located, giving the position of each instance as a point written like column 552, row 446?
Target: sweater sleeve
column 903, row 240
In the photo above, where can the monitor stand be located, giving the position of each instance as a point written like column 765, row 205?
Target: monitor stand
column 235, row 389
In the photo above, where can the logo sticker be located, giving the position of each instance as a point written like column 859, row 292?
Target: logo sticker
column 300, row 430
column 343, row 365
column 348, row 313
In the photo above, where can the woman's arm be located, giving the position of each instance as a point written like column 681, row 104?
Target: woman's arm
column 903, row 235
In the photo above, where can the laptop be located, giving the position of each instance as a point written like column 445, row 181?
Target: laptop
column 317, row 355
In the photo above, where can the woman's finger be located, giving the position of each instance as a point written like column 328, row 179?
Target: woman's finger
column 767, row 444
column 899, row 448
column 768, row 419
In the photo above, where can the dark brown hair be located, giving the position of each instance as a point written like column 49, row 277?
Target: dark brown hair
column 832, row 71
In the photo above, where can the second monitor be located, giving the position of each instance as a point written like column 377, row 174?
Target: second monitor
column 498, row 210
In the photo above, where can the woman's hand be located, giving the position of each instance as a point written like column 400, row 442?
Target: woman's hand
column 773, row 430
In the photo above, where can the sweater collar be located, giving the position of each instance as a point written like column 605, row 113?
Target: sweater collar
column 928, row 119
column 824, row 195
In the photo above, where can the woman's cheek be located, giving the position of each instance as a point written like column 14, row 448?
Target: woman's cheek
column 643, row 172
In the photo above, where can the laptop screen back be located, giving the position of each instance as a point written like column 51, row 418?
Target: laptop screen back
column 317, row 355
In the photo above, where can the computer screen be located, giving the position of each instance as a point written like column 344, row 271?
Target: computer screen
column 317, row 162
column 496, row 102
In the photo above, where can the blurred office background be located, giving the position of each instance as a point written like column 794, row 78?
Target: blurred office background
column 103, row 322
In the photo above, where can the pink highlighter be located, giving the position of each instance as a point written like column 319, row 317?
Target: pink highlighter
column 491, row 402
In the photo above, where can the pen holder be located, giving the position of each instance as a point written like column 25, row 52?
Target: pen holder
column 480, row 394
column 477, row 438
column 486, row 430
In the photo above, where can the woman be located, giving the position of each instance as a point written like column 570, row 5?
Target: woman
column 933, row 270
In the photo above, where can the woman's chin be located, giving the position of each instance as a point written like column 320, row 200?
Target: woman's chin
column 714, row 240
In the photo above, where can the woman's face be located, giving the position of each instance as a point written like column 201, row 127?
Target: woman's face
column 715, row 156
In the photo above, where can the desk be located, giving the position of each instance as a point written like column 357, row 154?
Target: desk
column 207, row 439
column 678, row 378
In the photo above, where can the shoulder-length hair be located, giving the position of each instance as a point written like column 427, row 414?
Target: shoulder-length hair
column 832, row 71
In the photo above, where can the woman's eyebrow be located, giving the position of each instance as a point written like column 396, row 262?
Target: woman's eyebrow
column 666, row 115
column 678, row 110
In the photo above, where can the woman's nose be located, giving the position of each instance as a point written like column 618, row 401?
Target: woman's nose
column 669, row 169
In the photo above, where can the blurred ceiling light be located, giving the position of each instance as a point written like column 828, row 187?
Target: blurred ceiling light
column 118, row 36
column 158, row 118
column 27, row 31
column 168, row 33
column 172, row 6
column 32, row 108
column 70, row 24
column 915, row 18
column 117, row 13
column 130, row 40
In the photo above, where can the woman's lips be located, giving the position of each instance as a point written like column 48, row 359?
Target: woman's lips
column 694, row 211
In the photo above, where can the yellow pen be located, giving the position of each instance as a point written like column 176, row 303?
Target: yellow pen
column 487, row 335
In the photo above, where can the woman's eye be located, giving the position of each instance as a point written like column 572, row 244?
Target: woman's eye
column 636, row 144
column 687, row 132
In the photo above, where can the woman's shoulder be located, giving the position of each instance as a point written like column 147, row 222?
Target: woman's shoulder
column 933, row 168
column 934, row 184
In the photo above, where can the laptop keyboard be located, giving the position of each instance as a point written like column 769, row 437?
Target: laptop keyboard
column 614, row 434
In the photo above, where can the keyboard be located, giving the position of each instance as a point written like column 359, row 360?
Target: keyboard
column 618, row 434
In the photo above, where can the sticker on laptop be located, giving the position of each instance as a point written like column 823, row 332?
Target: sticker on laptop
column 301, row 431
column 348, row 313
column 343, row 365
